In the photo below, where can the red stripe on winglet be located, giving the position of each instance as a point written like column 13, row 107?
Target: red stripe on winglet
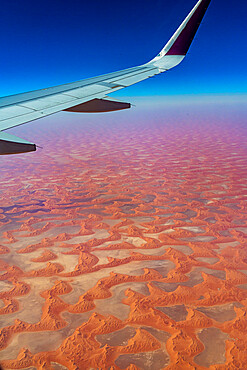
column 182, row 43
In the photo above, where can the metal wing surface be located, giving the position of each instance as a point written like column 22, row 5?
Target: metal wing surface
column 91, row 95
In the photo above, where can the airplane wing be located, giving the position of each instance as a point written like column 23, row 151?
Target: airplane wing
column 91, row 95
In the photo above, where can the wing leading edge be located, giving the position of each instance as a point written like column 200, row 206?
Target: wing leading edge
column 91, row 95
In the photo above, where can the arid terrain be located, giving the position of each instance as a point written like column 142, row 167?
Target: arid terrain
column 125, row 247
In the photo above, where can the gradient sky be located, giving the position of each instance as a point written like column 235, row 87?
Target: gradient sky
column 52, row 42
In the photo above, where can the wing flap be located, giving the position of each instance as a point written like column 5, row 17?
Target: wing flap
column 137, row 77
column 99, row 105
column 47, row 102
column 10, row 144
column 14, row 111
column 86, row 91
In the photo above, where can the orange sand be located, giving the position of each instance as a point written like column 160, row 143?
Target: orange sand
column 164, row 220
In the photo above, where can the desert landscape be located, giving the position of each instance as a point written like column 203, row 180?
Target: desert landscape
column 125, row 247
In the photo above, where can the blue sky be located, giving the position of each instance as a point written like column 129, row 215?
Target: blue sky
column 52, row 42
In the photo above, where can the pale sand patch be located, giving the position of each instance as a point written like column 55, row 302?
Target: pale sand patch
column 214, row 352
column 30, row 309
column 54, row 231
column 222, row 313
column 153, row 252
column 5, row 286
column 201, row 238
column 68, row 261
column 224, row 245
column 135, row 240
column 161, row 335
column 163, row 214
column 136, row 267
column 177, row 312
column 81, row 284
column 242, row 286
column 24, row 260
column 209, row 260
column 195, row 276
column 111, row 222
column 8, row 227
column 194, row 229
column 142, row 219
column 44, row 340
column 155, row 360
column 156, row 235
column 113, row 305
column 51, row 233
column 74, row 320
column 242, row 229
column 99, row 234
column 167, row 287
column 55, row 366
column 103, row 245
column 182, row 248
column 102, row 255
column 117, row 338
column 35, row 342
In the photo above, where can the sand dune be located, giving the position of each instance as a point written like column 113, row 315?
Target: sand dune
column 126, row 251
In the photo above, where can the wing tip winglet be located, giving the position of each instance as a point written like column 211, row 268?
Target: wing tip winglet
column 182, row 42
column 179, row 43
